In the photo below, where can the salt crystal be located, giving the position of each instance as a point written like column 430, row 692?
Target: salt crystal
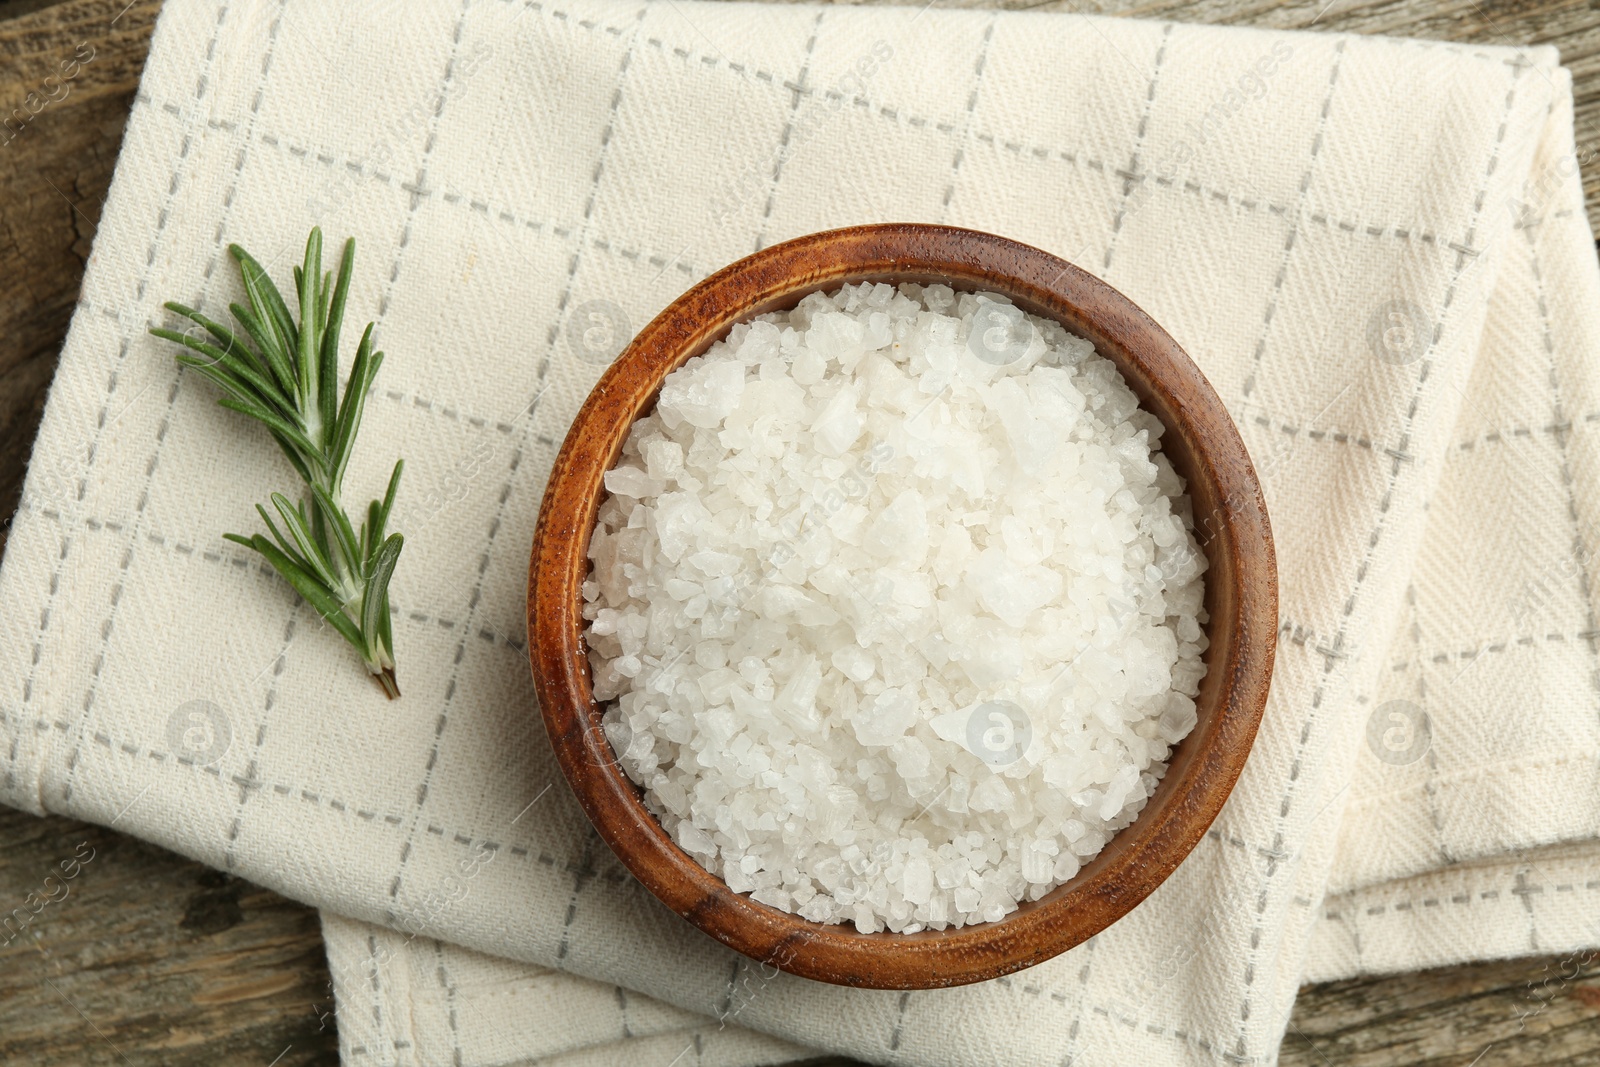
column 918, row 881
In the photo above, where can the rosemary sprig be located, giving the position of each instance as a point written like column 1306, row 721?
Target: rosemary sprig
column 287, row 382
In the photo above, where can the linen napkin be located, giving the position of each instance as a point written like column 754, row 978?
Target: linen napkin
column 1374, row 248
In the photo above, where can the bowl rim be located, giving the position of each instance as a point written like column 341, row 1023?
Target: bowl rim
column 1115, row 880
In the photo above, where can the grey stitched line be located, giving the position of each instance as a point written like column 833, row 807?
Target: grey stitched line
column 282, row 789
column 162, row 217
column 1525, row 892
column 1519, row 888
column 377, row 989
column 1335, row 437
column 725, row 1009
column 476, row 204
column 433, row 407
column 475, row 598
column 1354, row 932
column 1558, row 407
column 897, row 115
column 449, row 988
column 799, row 91
column 1132, row 177
column 250, row 781
column 1176, row 1032
column 1430, row 785
column 108, row 627
column 581, row 878
column 419, row 189
column 262, row 569
column 1365, row 439
column 1559, row 428
column 1082, row 999
column 1036, row 153
column 900, row 1021
column 1498, row 437
column 1579, row 548
column 417, row 195
column 1495, row 647
column 1295, row 221
column 972, row 106
column 1182, row 1036
column 1337, row 644
column 1381, row 522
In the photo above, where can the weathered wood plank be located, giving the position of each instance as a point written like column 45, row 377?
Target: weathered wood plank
column 59, row 138
column 1506, row 1013
column 114, row 952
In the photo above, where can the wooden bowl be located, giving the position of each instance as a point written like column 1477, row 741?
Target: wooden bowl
column 1240, row 594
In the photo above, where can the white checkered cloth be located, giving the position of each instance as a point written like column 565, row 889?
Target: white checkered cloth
column 1376, row 249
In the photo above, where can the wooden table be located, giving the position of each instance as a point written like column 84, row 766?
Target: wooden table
column 153, row 959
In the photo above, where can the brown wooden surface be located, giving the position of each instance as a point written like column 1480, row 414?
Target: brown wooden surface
column 1241, row 599
column 151, row 959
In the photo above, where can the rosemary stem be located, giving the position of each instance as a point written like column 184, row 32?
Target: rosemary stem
column 288, row 380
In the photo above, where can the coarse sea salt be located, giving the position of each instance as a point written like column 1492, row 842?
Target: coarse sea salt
column 897, row 606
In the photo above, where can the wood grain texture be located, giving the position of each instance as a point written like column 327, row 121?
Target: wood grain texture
column 136, row 956
column 114, row 962
column 56, row 159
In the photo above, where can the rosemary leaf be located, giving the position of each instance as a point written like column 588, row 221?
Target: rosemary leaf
column 332, row 315
column 310, row 550
column 339, row 524
column 294, row 434
column 266, row 301
column 362, row 372
column 259, row 387
column 313, row 592
column 388, row 502
column 310, row 360
column 271, row 355
column 227, row 338
column 375, row 617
